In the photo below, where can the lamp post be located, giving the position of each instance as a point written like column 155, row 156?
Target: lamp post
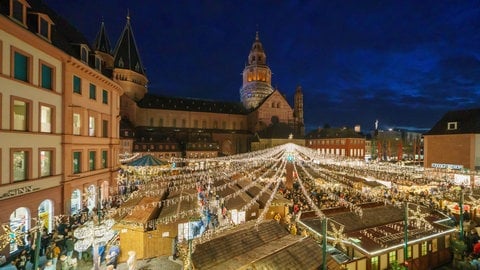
column 461, row 212
column 324, row 243
column 405, row 234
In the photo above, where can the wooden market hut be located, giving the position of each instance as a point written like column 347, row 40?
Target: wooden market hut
column 266, row 246
column 172, row 218
column 136, row 228
column 278, row 205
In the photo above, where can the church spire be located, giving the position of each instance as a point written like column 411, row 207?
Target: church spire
column 102, row 43
column 126, row 53
column 257, row 77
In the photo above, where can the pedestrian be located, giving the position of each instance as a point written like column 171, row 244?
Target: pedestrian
column 69, row 245
column 132, row 260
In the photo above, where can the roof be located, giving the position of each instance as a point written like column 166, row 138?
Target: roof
column 147, row 160
column 266, row 246
column 467, row 122
column 324, row 133
column 380, row 226
column 126, row 55
column 191, row 104
column 102, row 43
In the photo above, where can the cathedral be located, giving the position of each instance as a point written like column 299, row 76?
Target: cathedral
column 167, row 126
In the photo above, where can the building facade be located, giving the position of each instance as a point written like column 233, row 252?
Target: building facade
column 343, row 142
column 59, row 109
column 453, row 143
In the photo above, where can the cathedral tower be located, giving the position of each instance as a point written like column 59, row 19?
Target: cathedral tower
column 298, row 112
column 102, row 47
column 128, row 69
column 257, row 77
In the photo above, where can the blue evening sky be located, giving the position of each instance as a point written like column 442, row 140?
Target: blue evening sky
column 405, row 63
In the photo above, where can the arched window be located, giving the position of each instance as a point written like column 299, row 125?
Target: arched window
column 91, row 197
column 19, row 225
column 45, row 213
column 76, row 202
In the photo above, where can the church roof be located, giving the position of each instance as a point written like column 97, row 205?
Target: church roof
column 257, row 55
column 126, row 53
column 464, row 122
column 190, row 104
column 102, row 43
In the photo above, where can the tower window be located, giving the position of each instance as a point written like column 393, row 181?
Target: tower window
column 452, row 126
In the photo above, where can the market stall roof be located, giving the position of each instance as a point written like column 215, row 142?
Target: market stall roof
column 147, row 160
column 266, row 246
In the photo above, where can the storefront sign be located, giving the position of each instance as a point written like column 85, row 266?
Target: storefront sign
column 447, row 166
column 18, row 191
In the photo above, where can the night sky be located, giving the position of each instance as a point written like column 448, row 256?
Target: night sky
column 405, row 63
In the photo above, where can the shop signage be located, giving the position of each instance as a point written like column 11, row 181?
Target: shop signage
column 18, row 191
column 447, row 166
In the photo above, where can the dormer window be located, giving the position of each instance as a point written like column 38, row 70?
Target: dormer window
column 45, row 26
column 98, row 63
column 452, row 126
column 18, row 10
column 84, row 53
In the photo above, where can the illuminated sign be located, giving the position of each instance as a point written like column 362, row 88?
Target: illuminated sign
column 447, row 166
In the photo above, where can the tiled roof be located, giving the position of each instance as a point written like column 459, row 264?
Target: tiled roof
column 467, row 122
column 191, row 104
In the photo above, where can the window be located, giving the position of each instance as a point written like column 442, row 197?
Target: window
column 105, row 128
column 21, row 111
column 17, row 11
column 46, row 162
column 77, row 85
column 98, row 63
column 374, row 263
column 105, row 96
column 184, row 123
column 91, row 160
column 45, row 119
column 204, row 124
column 76, row 124
column 174, row 122
column 195, row 123
column 424, row 250
column 215, row 124
column 91, row 126
column 77, row 159
column 93, row 91
column 452, row 126
column 160, row 122
column 392, row 256
column 83, row 54
column 224, row 125
column 21, row 67
column 104, row 159
column 21, row 164
column 46, row 77
column 44, row 28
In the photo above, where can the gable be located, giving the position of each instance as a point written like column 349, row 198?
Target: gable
column 275, row 102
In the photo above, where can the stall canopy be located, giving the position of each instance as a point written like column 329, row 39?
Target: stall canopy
column 147, row 160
